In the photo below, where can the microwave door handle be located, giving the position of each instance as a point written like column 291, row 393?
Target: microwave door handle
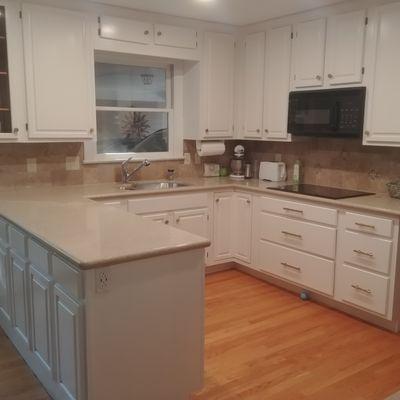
column 335, row 117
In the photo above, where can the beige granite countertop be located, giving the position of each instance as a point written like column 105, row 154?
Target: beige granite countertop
column 95, row 235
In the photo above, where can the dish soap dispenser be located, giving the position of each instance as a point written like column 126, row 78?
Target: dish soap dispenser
column 297, row 171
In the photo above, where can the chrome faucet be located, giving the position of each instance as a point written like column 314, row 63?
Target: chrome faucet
column 126, row 175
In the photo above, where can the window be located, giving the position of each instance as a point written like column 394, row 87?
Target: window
column 134, row 110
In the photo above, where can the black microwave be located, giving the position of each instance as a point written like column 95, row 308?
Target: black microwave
column 327, row 113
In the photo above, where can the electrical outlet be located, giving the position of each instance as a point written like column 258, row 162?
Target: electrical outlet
column 31, row 165
column 187, row 158
column 103, row 280
column 72, row 163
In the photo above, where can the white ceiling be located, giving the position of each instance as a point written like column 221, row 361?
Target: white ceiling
column 236, row 12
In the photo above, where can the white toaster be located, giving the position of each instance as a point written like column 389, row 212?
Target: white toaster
column 272, row 171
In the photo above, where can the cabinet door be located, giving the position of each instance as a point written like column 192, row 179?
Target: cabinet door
column 219, row 61
column 253, row 85
column 223, row 215
column 12, row 87
column 345, row 48
column 382, row 68
column 242, row 226
column 59, row 73
column 194, row 221
column 40, row 316
column 309, row 53
column 175, row 36
column 162, row 218
column 277, row 83
column 19, row 297
column 126, row 30
column 4, row 284
column 68, row 344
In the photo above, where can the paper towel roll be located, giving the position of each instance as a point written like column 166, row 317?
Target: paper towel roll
column 214, row 148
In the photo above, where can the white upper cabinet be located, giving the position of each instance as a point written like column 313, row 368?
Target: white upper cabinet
column 175, row 36
column 383, row 75
column 345, row 48
column 12, row 92
column 59, row 73
column 277, row 83
column 253, row 84
column 126, row 30
column 309, row 53
column 219, row 70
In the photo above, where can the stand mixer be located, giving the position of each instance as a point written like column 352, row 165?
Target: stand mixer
column 237, row 163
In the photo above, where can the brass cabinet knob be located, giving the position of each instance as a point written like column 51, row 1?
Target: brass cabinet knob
column 159, row 33
column 15, row 131
column 146, row 32
column 318, row 77
column 330, row 76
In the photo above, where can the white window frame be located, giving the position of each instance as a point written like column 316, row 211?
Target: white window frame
column 174, row 91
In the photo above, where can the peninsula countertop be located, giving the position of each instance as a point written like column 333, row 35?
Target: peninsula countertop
column 93, row 235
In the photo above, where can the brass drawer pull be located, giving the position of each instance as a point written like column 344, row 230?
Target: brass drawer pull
column 293, row 210
column 363, row 253
column 361, row 225
column 359, row 288
column 297, row 236
column 286, row 265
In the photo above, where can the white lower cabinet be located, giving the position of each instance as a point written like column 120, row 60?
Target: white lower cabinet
column 242, row 212
column 68, row 341
column 301, row 268
column 223, row 224
column 195, row 221
column 162, row 218
column 39, row 289
column 362, row 288
column 4, row 284
column 19, row 298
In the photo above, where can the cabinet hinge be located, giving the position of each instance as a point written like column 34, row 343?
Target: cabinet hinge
column 99, row 27
column 20, row 14
column 291, row 35
column 366, row 20
column 208, row 217
column 27, row 127
column 363, row 70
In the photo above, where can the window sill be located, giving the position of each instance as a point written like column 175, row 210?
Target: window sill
column 118, row 161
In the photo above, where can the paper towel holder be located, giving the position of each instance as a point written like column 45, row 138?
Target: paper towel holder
column 199, row 143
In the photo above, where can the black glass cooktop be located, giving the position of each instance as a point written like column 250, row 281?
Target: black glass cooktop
column 320, row 191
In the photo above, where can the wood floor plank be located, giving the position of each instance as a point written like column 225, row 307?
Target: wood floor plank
column 263, row 343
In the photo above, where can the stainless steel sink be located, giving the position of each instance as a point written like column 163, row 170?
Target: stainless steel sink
column 153, row 185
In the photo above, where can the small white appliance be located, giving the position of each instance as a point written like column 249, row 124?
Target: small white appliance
column 272, row 171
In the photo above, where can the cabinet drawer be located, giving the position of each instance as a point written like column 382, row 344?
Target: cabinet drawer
column 296, row 266
column 362, row 288
column 126, row 30
column 38, row 256
column 308, row 212
column 320, row 240
column 3, row 231
column 366, row 223
column 366, row 251
column 156, row 204
column 175, row 36
column 17, row 241
column 67, row 277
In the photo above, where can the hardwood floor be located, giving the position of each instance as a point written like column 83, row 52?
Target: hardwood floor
column 17, row 382
column 263, row 343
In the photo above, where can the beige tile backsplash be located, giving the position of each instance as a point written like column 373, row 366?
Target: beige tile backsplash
column 336, row 162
